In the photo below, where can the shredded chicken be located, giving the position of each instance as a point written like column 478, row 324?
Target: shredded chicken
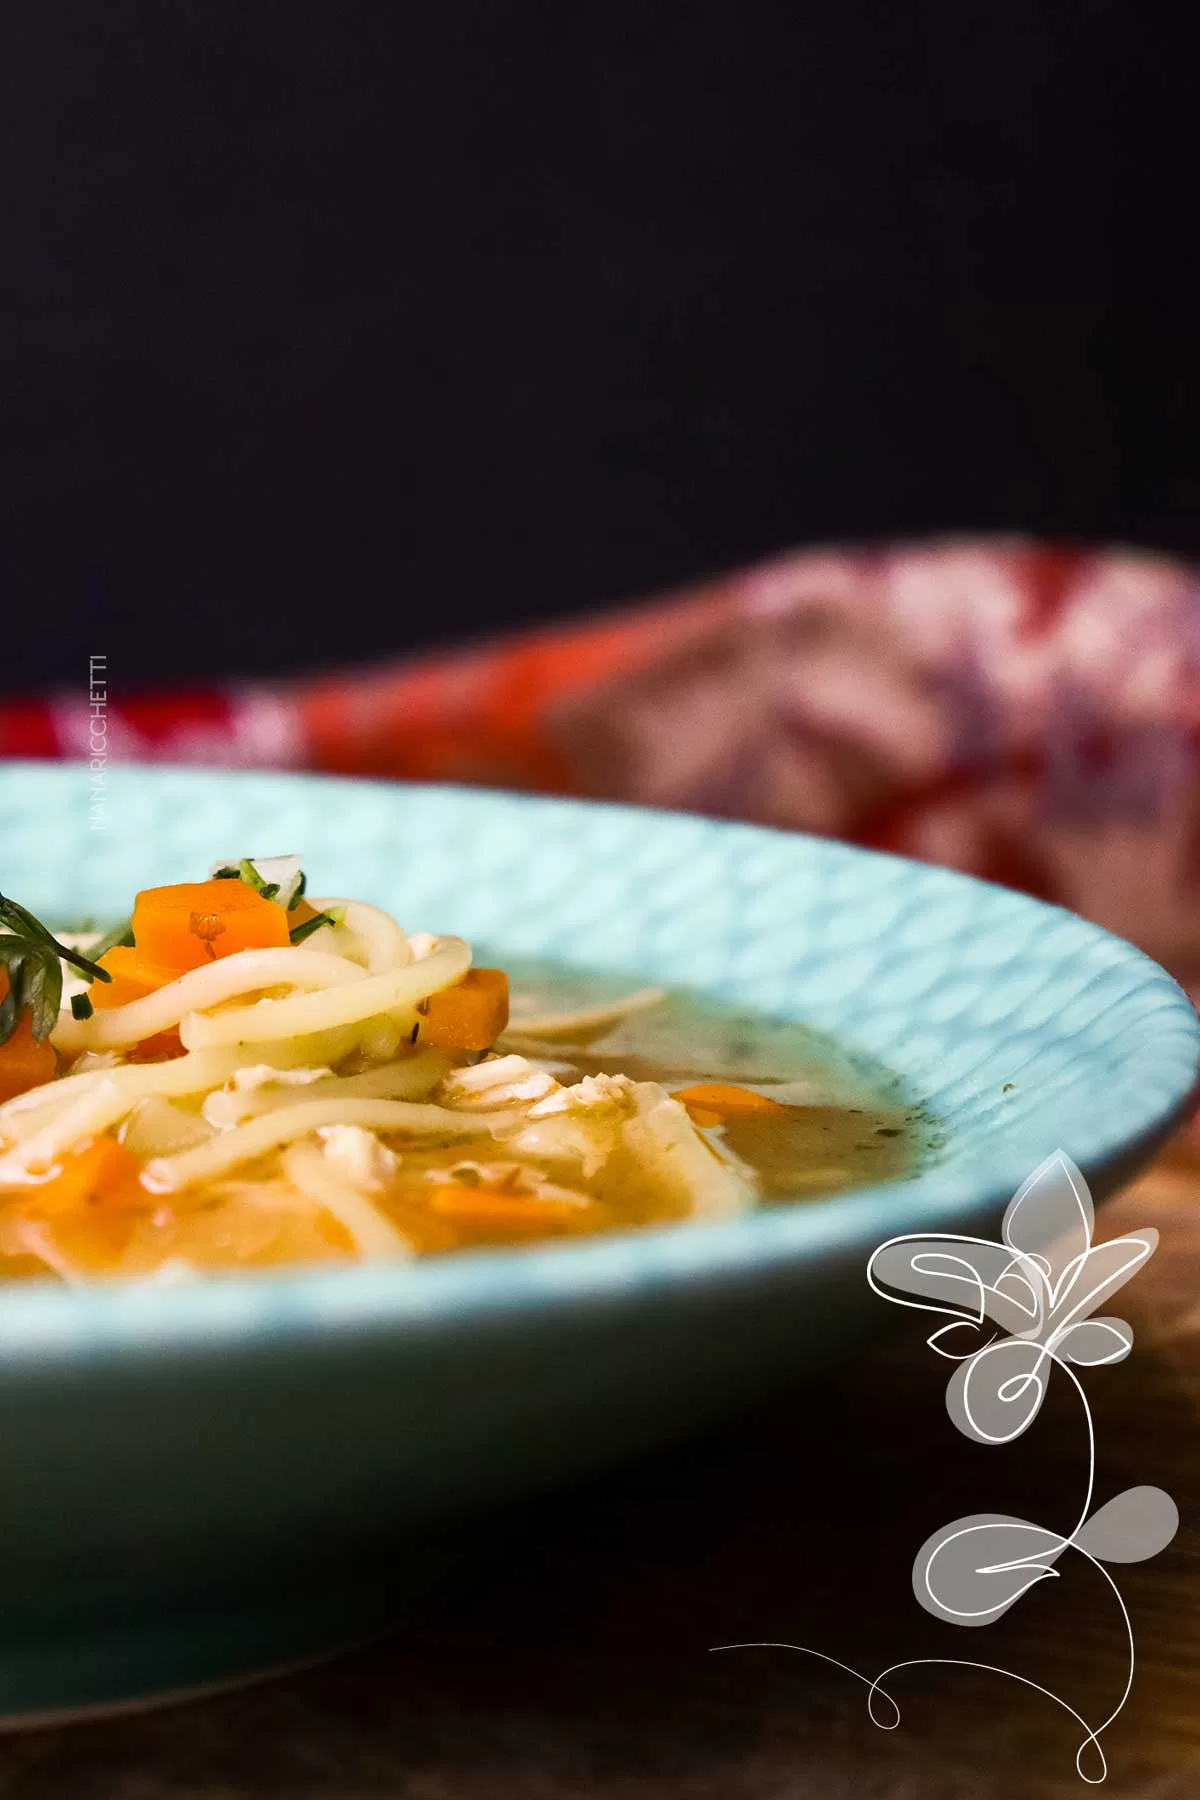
column 358, row 1155
column 496, row 1082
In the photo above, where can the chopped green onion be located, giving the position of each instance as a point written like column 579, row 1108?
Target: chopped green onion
column 277, row 878
column 298, row 933
column 120, row 935
column 81, row 1006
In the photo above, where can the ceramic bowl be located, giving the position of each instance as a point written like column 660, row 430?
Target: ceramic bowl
column 202, row 1481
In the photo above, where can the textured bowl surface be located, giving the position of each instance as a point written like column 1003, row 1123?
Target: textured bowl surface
column 199, row 1481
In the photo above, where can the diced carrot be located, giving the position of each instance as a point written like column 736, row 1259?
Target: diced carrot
column 713, row 1102
column 24, row 1063
column 164, row 1046
column 92, row 1240
column 134, row 976
column 427, row 1234
column 101, row 1172
column 471, row 1014
column 194, row 922
column 501, row 1208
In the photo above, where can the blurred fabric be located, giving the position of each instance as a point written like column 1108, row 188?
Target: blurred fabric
column 1026, row 712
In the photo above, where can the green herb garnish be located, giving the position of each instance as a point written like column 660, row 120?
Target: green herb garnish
column 287, row 892
column 280, row 878
column 298, row 933
column 120, row 935
column 81, row 1006
column 31, row 957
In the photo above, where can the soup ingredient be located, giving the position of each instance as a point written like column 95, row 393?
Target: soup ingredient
column 470, row 1015
column 133, row 977
column 318, row 1176
column 31, row 962
column 278, row 878
column 184, row 926
column 120, row 934
column 281, row 879
column 24, row 1063
column 157, row 1127
column 349, row 1002
column 304, row 920
column 501, row 1207
column 494, row 1081
column 585, row 1024
column 283, row 1125
column 164, row 1046
column 101, row 1172
column 714, row 1102
column 228, row 978
column 634, row 1147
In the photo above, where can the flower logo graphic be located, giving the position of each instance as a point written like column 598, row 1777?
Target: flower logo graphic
column 1040, row 1285
column 1016, row 1311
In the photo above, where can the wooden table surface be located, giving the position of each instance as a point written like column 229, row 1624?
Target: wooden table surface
column 583, row 1667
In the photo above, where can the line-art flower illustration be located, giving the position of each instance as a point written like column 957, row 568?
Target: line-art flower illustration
column 1016, row 1311
column 1040, row 1286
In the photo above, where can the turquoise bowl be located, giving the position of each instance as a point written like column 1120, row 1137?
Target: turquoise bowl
column 199, row 1483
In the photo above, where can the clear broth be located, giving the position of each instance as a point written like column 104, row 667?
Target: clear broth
column 850, row 1128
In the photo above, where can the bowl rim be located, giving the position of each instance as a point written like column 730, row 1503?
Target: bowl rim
column 43, row 1321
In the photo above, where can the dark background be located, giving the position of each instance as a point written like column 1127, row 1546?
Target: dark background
column 329, row 331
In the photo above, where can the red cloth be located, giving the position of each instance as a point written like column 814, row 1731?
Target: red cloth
column 1025, row 712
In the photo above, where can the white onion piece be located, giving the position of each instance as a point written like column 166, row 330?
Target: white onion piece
column 157, row 1127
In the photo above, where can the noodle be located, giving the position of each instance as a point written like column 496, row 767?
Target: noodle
column 183, row 1075
column 372, row 1234
column 248, row 972
column 91, row 1113
column 274, row 1129
column 343, row 1005
column 384, row 945
column 412, row 1079
column 588, row 1023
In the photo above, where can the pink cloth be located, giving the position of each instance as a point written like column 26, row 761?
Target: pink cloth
column 1025, row 712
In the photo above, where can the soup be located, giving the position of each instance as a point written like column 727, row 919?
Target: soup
column 245, row 1078
column 842, row 1126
